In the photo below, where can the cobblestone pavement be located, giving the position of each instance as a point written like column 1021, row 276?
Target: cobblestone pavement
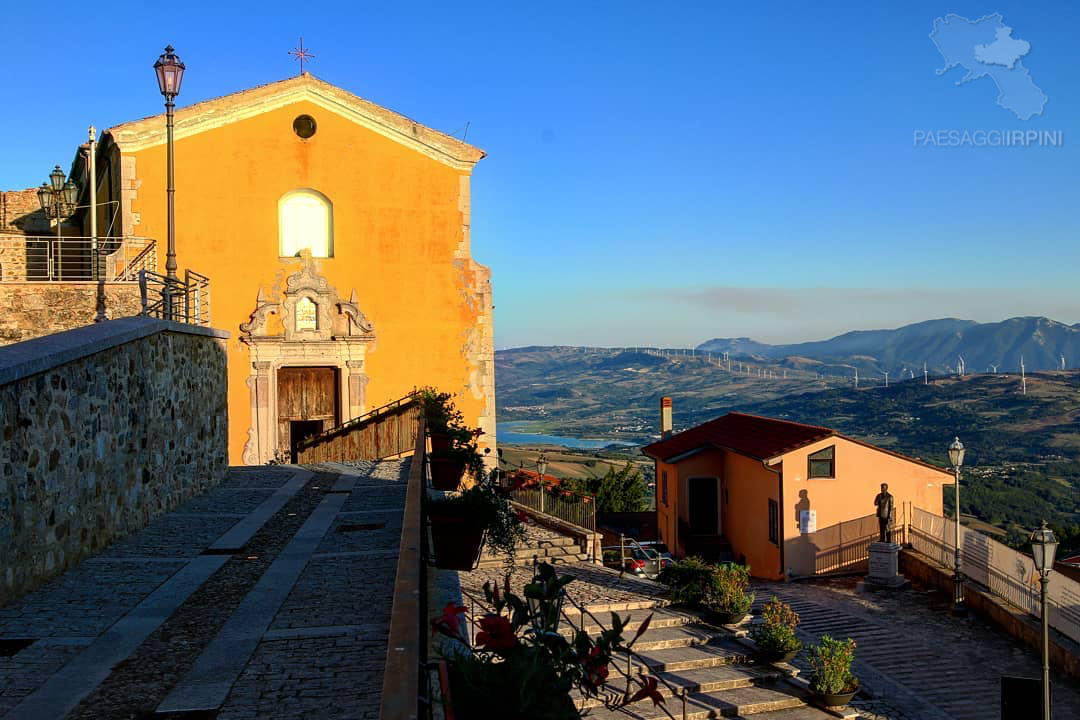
column 920, row 662
column 322, row 653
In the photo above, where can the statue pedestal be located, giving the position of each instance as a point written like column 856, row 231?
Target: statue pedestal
column 884, row 566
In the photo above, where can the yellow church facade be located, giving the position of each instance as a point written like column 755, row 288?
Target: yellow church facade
column 335, row 234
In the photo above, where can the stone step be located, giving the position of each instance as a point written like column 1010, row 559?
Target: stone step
column 680, row 636
column 662, row 618
column 735, row 703
column 719, row 651
column 522, row 559
column 706, row 680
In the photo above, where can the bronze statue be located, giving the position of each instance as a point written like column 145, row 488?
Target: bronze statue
column 884, row 503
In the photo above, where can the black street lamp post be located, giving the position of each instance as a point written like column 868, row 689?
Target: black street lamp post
column 956, row 458
column 1043, row 548
column 170, row 73
column 58, row 199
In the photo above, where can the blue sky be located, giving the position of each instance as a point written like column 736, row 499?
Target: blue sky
column 656, row 173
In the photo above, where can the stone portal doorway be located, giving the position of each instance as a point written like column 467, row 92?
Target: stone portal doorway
column 307, row 404
column 308, row 347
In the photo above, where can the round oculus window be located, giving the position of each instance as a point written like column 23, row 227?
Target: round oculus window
column 304, row 126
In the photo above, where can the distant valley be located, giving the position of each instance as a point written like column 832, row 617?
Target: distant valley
column 1024, row 450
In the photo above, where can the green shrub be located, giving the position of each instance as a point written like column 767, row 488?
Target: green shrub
column 776, row 633
column 688, row 579
column 727, row 590
column 830, row 663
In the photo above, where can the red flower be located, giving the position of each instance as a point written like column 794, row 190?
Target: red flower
column 449, row 623
column 648, row 690
column 496, row 633
column 596, row 668
column 522, row 517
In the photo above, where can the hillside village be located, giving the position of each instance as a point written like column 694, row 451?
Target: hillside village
column 252, row 465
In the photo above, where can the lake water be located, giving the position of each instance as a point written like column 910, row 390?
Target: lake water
column 507, row 432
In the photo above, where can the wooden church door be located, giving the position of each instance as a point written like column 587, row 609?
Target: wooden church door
column 307, row 404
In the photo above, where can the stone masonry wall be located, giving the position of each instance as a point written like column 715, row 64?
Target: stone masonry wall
column 32, row 309
column 96, row 445
column 20, row 210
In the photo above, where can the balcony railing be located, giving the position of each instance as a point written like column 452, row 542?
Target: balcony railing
column 186, row 301
column 566, row 505
column 47, row 258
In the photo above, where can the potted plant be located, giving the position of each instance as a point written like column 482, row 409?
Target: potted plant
column 445, row 423
column 831, row 680
column 687, row 580
column 726, row 598
column 519, row 666
column 775, row 634
column 464, row 522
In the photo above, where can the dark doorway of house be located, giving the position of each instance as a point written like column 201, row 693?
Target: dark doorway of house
column 300, row 430
column 702, row 506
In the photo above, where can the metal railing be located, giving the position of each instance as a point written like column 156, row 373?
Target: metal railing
column 47, row 258
column 1006, row 573
column 566, row 505
column 186, row 301
column 384, row 432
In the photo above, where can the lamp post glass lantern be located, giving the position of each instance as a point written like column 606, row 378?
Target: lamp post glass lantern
column 541, row 466
column 58, row 198
column 1043, row 549
column 956, row 458
column 545, row 595
column 170, row 74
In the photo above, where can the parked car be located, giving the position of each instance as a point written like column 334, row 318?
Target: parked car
column 665, row 553
column 639, row 561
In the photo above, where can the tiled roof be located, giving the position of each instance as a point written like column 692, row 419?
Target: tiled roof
column 751, row 435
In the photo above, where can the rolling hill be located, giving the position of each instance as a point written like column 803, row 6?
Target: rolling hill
column 938, row 343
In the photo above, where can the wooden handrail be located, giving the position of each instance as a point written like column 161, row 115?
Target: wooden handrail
column 406, row 650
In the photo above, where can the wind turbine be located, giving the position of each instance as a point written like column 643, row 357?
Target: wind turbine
column 1062, row 362
column 925, row 377
column 994, row 368
column 886, row 378
column 856, row 378
column 1023, row 376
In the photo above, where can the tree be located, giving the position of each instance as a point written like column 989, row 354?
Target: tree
column 617, row 491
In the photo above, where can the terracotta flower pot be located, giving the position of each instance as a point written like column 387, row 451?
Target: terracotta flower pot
column 835, row 699
column 456, row 540
column 719, row 617
column 775, row 656
column 446, row 472
column 440, row 442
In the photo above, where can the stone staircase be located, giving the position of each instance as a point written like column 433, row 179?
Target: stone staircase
column 715, row 666
column 544, row 544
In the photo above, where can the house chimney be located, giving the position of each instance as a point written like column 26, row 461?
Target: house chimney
column 665, row 418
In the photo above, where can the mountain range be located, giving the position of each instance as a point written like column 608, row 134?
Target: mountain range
column 941, row 344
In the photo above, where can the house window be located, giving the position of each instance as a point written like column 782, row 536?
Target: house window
column 774, row 522
column 663, row 487
column 822, row 464
column 305, row 220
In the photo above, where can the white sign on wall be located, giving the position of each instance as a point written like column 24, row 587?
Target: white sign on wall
column 807, row 521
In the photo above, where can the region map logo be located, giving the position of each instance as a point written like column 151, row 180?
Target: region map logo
column 986, row 48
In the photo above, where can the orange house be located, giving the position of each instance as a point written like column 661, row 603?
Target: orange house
column 787, row 499
column 335, row 234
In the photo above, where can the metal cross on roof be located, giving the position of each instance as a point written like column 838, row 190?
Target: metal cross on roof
column 301, row 54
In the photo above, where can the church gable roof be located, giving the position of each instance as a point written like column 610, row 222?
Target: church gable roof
column 209, row 114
